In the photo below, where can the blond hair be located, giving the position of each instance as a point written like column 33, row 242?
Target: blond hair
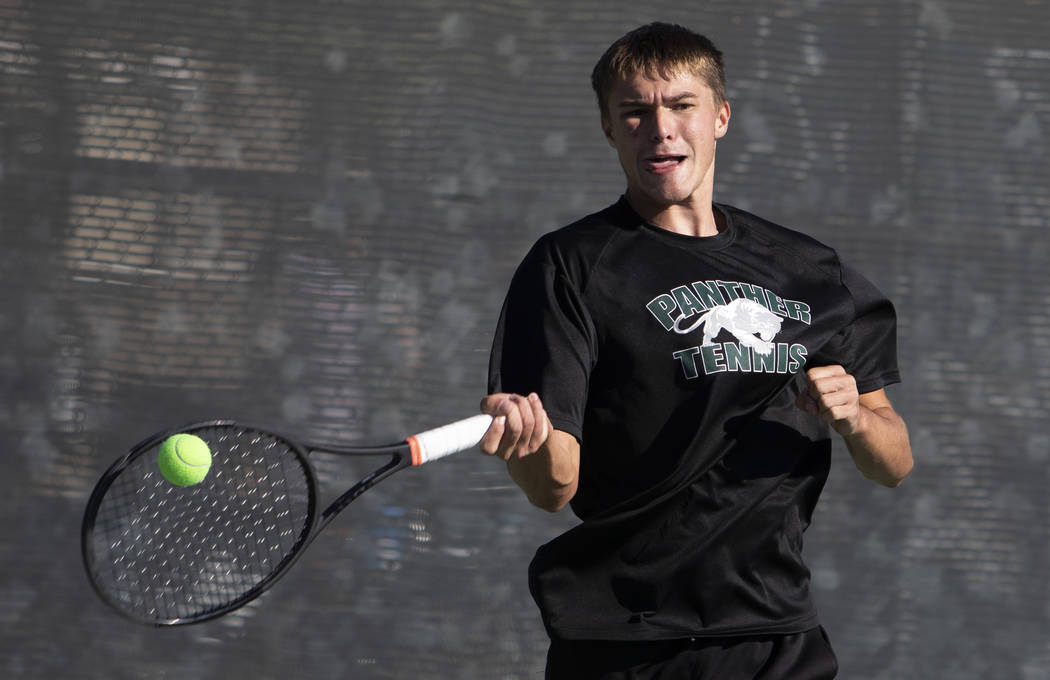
column 659, row 50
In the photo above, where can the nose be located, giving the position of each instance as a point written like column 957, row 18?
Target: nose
column 661, row 126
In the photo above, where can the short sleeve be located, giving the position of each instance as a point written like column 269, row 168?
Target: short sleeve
column 545, row 340
column 867, row 346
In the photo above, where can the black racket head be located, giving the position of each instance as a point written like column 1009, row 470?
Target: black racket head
column 163, row 555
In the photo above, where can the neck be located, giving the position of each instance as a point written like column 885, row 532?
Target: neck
column 694, row 217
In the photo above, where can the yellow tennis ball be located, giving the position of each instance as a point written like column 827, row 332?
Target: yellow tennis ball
column 184, row 459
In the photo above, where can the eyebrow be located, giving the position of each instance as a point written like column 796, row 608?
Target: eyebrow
column 670, row 100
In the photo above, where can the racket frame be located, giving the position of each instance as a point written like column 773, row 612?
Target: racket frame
column 402, row 454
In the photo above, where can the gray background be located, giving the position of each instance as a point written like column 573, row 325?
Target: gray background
column 306, row 214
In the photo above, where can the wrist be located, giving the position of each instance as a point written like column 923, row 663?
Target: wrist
column 857, row 428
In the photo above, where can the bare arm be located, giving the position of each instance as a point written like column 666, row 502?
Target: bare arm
column 543, row 461
column 875, row 435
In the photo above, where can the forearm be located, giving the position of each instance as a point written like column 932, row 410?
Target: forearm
column 550, row 475
column 880, row 447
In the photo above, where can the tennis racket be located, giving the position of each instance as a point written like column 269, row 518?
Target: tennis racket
column 166, row 555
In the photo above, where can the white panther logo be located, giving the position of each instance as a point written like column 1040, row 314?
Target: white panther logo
column 743, row 318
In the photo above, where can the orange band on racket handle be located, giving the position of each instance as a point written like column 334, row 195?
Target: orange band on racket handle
column 416, row 449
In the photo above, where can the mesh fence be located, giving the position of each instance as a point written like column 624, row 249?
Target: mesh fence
column 306, row 214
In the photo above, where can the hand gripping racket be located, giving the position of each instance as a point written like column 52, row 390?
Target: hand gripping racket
column 167, row 555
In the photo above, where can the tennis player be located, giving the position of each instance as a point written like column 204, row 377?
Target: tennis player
column 672, row 368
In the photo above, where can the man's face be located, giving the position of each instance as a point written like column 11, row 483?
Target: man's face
column 664, row 132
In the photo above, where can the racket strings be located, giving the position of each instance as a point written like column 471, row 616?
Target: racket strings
column 166, row 553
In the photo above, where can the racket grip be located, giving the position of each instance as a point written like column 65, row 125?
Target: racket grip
column 448, row 439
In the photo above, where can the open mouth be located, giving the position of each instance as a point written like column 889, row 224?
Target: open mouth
column 664, row 163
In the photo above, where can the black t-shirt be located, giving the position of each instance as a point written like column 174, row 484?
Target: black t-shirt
column 675, row 361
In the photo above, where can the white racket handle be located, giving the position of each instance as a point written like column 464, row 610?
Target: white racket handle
column 448, row 439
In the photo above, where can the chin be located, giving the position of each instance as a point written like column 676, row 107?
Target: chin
column 667, row 197
column 665, row 192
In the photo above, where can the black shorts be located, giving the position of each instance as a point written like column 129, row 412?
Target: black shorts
column 800, row 656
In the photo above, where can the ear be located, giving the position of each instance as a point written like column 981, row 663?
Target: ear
column 722, row 121
column 607, row 131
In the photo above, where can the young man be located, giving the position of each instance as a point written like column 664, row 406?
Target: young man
column 670, row 367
